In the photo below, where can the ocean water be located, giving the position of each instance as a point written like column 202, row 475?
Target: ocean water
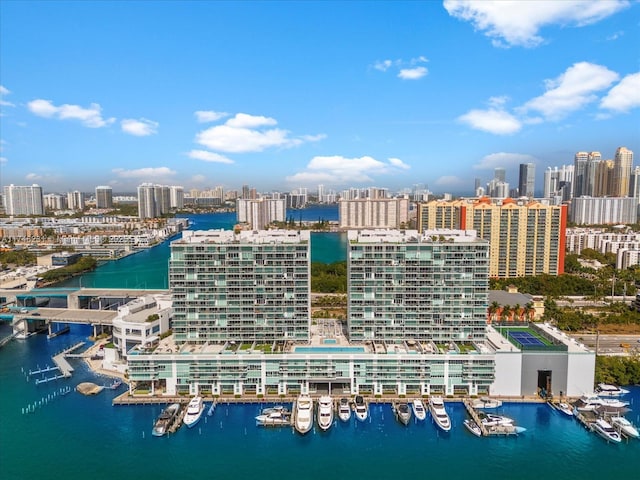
column 72, row 436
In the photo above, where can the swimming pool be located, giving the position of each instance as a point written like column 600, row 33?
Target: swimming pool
column 328, row 350
column 329, row 340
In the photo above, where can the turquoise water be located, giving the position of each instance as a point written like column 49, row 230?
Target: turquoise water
column 328, row 349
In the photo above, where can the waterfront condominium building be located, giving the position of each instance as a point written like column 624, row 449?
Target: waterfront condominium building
column 245, row 286
column 409, row 286
column 527, row 180
column 259, row 213
column 153, row 200
column 376, row 212
column 23, row 200
column 526, row 238
column 176, row 193
column 603, row 210
column 104, row 197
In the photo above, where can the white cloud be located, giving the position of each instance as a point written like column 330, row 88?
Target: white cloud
column 504, row 160
column 339, row 170
column 89, row 117
column 5, row 91
column 206, row 156
column 383, row 65
column 204, row 116
column 624, row 96
column 450, row 181
column 572, row 90
column 139, row 128
column 3, row 160
column 247, row 133
column 517, row 23
column 198, row 178
column 412, row 73
column 615, row 35
column 497, row 121
column 144, row 173
column 33, row 176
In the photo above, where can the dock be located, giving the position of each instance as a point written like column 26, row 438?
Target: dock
column 6, row 340
column 475, row 417
column 61, row 362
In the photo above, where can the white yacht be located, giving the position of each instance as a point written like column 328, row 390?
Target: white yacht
column 361, row 408
column 591, row 402
column 325, row 412
column 194, row 412
column 491, row 420
column 304, row 414
column 344, row 410
column 418, row 409
column 608, row 390
column 565, row 408
column 165, row 419
column 606, row 431
column 473, row 427
column 403, row 412
column 277, row 416
column 625, row 426
column 439, row 414
column 486, row 403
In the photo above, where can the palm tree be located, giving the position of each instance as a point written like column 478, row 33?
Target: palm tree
column 517, row 310
column 530, row 311
column 506, row 313
column 492, row 311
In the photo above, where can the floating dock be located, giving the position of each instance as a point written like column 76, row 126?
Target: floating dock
column 61, row 362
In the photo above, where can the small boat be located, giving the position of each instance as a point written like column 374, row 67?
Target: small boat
column 591, row 402
column 212, row 408
column 403, row 412
column 344, row 410
column 194, row 412
column 361, row 408
column 274, row 417
column 491, row 420
column 565, row 408
column 165, row 419
column 625, row 426
column 418, row 409
column 473, row 427
column 439, row 414
column 606, row 431
column 325, row 412
column 304, row 414
column 486, row 403
column 608, row 390
column 115, row 384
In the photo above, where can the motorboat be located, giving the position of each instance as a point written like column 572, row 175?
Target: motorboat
column 344, row 410
column 361, row 408
column 606, row 431
column 304, row 414
column 403, row 412
column 274, row 417
column 212, row 409
column 473, row 427
column 418, row 409
column 165, row 419
column 591, row 402
column 486, row 403
column 608, row 390
column 194, row 412
column 115, row 384
column 565, row 408
column 491, row 420
column 325, row 412
column 439, row 414
column 625, row 426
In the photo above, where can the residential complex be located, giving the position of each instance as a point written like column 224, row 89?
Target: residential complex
column 525, row 238
column 256, row 214
column 104, row 197
column 587, row 210
column 23, row 200
column 376, row 212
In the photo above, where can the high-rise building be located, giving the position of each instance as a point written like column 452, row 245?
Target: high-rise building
column 558, row 183
column 603, row 185
column 525, row 238
column 260, row 213
column 409, row 286
column 623, row 162
column 603, row 210
column 527, row 180
column 177, row 197
column 75, row 200
column 246, row 286
column 104, row 197
column 54, row 201
column 23, row 200
column 374, row 213
column 154, row 200
column 580, row 171
column 500, row 174
column 634, row 183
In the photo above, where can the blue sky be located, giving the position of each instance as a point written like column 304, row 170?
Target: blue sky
column 281, row 95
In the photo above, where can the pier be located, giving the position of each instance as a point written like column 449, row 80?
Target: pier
column 61, row 362
column 476, row 418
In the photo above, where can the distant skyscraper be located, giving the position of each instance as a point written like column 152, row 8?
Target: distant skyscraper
column 580, row 170
column 75, row 200
column 261, row 212
column 603, row 184
column 527, row 180
column 55, row 201
column 374, row 213
column 623, row 161
column 177, row 196
column 104, row 197
column 23, row 200
column 154, row 200
column 500, row 174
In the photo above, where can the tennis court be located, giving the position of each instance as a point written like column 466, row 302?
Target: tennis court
column 526, row 338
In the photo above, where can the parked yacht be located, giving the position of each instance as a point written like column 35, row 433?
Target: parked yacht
column 608, row 390
column 591, row 402
column 418, row 409
column 439, row 414
column 606, row 431
column 361, row 408
column 274, row 417
column 486, row 403
column 565, row 408
column 344, row 410
column 491, row 420
column 194, row 412
column 304, row 414
column 165, row 419
column 403, row 412
column 625, row 426
column 473, row 427
column 325, row 412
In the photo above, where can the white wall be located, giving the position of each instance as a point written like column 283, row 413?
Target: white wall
column 508, row 374
column 581, row 373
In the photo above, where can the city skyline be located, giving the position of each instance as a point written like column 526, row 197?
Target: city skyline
column 288, row 95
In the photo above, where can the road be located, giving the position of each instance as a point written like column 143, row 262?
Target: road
column 610, row 343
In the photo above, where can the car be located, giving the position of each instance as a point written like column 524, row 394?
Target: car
column 24, row 310
column 35, row 314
